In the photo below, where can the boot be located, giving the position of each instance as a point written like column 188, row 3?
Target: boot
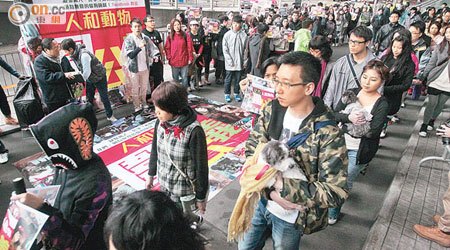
column 433, row 234
column 206, row 79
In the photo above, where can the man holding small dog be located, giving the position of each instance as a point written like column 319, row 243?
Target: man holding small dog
column 321, row 154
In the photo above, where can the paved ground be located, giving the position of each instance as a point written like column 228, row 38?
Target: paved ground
column 359, row 212
column 414, row 196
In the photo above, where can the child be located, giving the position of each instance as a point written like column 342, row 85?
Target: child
column 179, row 154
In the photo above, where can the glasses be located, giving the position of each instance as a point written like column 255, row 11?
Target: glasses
column 356, row 42
column 286, row 85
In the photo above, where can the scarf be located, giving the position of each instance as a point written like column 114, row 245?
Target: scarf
column 174, row 126
column 52, row 58
column 253, row 180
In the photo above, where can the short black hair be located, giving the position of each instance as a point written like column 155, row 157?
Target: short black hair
column 47, row 43
column 414, row 8
column 262, row 27
column 268, row 62
column 307, row 22
column 420, row 25
column 68, row 43
column 237, row 19
column 148, row 18
column 150, row 220
column 171, row 96
column 34, row 43
column 323, row 44
column 362, row 31
column 311, row 66
column 223, row 18
column 395, row 12
column 135, row 20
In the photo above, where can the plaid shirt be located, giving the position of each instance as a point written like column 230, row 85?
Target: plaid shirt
column 178, row 150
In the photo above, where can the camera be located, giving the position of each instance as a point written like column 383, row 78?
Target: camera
column 446, row 140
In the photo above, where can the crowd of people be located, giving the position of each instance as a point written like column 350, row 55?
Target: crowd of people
column 332, row 114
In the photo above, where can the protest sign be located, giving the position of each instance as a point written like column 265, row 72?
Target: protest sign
column 257, row 94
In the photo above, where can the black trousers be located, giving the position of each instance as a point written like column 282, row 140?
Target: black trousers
column 4, row 105
column 220, row 70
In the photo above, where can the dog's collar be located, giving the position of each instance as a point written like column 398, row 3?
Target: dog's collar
column 262, row 172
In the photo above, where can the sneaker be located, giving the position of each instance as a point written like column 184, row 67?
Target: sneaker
column 227, row 98
column 196, row 224
column 333, row 215
column 112, row 119
column 423, row 130
column 332, row 220
column 139, row 118
column 137, row 109
column 3, row 158
column 403, row 105
column 383, row 133
column 430, row 125
column 237, row 97
column 395, row 118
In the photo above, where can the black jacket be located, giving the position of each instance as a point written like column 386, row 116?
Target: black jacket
column 399, row 83
column 378, row 21
column 219, row 38
column 51, row 79
column 369, row 144
column 81, row 207
column 385, row 34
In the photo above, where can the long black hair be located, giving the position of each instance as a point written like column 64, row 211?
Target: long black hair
column 404, row 61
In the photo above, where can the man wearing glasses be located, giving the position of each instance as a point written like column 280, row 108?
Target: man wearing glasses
column 348, row 69
column 293, row 207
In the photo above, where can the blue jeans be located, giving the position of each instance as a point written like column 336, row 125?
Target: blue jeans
column 182, row 72
column 284, row 234
column 232, row 77
column 102, row 87
column 353, row 171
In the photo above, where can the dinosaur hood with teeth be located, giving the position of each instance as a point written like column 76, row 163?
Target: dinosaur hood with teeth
column 67, row 135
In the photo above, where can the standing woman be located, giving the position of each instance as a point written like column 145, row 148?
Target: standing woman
column 179, row 154
column 207, row 47
column 281, row 46
column 361, row 150
column 437, row 75
column 321, row 49
column 330, row 29
column 434, row 33
column 179, row 52
column 399, row 60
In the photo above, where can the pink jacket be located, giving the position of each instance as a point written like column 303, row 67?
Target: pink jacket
column 179, row 51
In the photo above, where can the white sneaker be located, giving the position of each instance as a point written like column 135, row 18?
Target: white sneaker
column 402, row 105
column 383, row 133
column 196, row 224
column 332, row 221
column 423, row 133
column 112, row 119
column 395, row 119
column 3, row 158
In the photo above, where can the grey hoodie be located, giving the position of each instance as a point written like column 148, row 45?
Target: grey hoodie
column 233, row 49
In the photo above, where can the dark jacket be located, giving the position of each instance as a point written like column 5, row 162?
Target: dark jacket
column 378, row 21
column 8, row 68
column 295, row 26
column 51, row 79
column 218, row 38
column 384, row 35
column 81, row 207
column 399, row 83
column 257, row 51
column 98, row 71
column 369, row 144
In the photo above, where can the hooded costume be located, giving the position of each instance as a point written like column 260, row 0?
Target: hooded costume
column 77, row 218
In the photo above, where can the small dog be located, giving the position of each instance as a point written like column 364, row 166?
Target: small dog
column 276, row 154
column 353, row 105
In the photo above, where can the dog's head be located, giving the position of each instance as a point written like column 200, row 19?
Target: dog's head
column 274, row 152
column 349, row 97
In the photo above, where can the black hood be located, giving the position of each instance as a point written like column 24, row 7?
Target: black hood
column 187, row 117
column 67, row 135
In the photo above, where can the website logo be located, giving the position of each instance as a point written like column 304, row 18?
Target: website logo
column 20, row 13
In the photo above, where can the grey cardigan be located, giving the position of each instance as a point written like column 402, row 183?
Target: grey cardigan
column 432, row 71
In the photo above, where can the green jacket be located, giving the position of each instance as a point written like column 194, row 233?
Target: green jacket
column 323, row 158
column 302, row 38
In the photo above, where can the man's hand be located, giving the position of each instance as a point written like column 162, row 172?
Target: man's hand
column 275, row 196
column 443, row 131
column 69, row 75
column 149, row 183
column 357, row 118
column 29, row 199
column 155, row 59
column 22, row 77
column 243, row 85
column 201, row 206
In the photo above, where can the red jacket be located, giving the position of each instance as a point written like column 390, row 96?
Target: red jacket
column 179, row 50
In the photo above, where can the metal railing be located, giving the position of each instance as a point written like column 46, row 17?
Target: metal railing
column 7, row 81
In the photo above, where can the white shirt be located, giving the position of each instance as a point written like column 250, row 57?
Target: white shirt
column 291, row 126
column 442, row 82
column 141, row 60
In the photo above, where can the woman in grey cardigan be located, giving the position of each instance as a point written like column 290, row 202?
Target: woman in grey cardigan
column 437, row 75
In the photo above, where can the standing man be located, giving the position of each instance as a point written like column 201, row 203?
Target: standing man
column 378, row 20
column 93, row 72
column 4, row 105
column 296, row 24
column 50, row 75
column 234, row 43
column 323, row 156
column 220, row 60
column 343, row 77
column 157, row 68
column 141, row 52
column 303, row 36
column 384, row 35
column 412, row 17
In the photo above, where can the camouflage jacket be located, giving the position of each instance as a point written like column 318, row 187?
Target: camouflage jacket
column 323, row 157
